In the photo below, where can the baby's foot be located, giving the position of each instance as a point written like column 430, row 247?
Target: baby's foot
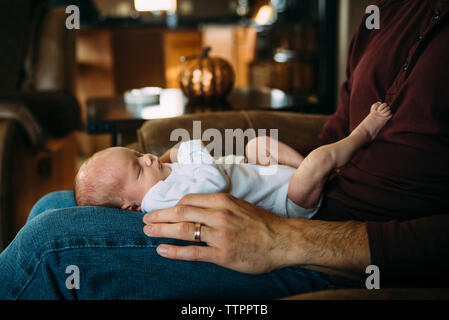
column 377, row 118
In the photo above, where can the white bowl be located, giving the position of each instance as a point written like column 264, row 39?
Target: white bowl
column 145, row 96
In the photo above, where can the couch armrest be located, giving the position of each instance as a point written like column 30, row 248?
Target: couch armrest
column 16, row 110
column 294, row 129
column 57, row 112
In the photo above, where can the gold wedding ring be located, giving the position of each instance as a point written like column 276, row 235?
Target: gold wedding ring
column 197, row 233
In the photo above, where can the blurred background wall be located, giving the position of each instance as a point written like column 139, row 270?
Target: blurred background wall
column 350, row 13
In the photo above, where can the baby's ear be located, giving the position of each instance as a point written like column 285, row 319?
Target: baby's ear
column 127, row 206
column 131, row 206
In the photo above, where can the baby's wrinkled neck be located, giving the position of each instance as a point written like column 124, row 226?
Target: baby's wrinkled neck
column 169, row 170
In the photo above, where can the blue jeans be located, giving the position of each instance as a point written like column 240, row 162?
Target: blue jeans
column 116, row 260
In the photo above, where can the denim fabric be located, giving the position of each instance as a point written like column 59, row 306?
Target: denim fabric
column 117, row 260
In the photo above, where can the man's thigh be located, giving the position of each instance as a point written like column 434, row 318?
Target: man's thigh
column 52, row 201
column 107, row 251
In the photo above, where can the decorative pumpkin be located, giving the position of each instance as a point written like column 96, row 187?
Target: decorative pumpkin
column 206, row 78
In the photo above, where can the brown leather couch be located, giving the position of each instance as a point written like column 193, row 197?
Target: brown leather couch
column 295, row 130
column 38, row 111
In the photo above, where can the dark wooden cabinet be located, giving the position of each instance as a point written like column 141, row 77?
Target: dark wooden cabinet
column 298, row 53
column 129, row 58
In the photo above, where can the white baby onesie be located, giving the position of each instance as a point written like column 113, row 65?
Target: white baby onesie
column 198, row 172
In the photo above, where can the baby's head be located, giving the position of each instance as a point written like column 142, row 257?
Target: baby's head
column 118, row 177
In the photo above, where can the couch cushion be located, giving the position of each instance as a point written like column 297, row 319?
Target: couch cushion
column 295, row 129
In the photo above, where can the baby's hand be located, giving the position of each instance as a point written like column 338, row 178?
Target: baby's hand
column 171, row 156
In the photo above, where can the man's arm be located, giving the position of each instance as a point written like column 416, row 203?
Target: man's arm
column 341, row 246
column 249, row 239
column 406, row 252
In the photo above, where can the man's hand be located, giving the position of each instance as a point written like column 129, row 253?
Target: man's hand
column 239, row 235
column 249, row 239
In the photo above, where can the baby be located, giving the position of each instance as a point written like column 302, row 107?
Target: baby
column 123, row 178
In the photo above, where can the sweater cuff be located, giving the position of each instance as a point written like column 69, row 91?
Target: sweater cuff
column 374, row 230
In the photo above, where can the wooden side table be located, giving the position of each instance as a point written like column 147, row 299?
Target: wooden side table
column 112, row 115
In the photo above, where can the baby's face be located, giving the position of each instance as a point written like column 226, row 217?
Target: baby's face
column 137, row 173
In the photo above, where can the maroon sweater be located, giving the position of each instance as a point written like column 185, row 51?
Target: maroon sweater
column 399, row 184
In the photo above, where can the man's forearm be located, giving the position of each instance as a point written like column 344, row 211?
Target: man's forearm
column 336, row 245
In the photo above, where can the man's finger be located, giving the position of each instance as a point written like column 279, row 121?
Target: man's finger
column 190, row 253
column 179, row 213
column 181, row 231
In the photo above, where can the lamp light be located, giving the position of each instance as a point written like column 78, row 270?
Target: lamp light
column 264, row 15
column 155, row 5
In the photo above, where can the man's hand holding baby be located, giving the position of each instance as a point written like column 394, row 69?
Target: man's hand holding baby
column 239, row 235
column 250, row 239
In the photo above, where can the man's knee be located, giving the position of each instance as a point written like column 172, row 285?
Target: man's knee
column 27, row 251
column 59, row 229
column 53, row 200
